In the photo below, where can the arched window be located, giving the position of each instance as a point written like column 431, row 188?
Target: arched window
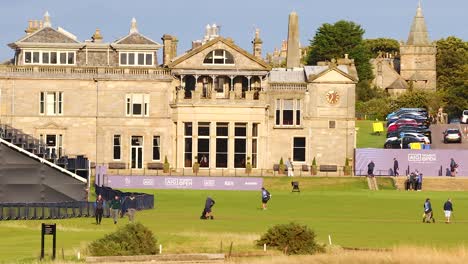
column 219, row 57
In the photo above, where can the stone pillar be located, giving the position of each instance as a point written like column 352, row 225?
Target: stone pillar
column 212, row 90
column 231, row 145
column 293, row 58
column 212, row 145
column 180, row 144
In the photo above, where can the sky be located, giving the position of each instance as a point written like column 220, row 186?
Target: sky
column 186, row 19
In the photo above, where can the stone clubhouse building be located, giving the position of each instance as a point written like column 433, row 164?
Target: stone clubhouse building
column 216, row 104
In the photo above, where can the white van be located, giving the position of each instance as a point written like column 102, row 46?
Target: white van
column 464, row 118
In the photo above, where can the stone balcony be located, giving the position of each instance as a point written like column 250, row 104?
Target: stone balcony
column 232, row 97
column 84, row 73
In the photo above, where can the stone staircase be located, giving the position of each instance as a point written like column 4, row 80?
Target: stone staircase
column 437, row 183
column 372, row 183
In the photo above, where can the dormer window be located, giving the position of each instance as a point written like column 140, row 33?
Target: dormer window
column 49, row 57
column 219, row 57
column 136, row 58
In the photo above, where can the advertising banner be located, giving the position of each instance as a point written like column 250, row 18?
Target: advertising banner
column 182, row 182
column 436, row 162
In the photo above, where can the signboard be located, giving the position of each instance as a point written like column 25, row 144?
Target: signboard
column 431, row 162
column 181, row 182
column 48, row 229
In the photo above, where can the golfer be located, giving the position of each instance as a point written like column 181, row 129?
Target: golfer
column 206, row 214
column 265, row 197
column 448, row 209
column 428, row 212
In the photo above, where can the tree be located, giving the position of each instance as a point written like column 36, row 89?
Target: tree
column 452, row 74
column 382, row 45
column 332, row 41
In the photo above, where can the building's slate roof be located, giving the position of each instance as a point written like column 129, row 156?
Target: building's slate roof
column 48, row 35
column 136, row 38
column 287, row 76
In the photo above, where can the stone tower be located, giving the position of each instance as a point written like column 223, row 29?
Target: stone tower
column 293, row 57
column 418, row 56
column 257, row 44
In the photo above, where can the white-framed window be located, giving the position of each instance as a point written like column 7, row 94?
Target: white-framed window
column 45, row 57
column 299, row 149
column 156, row 148
column 222, row 138
column 240, row 145
column 51, row 103
column 219, row 56
column 203, row 144
column 288, row 112
column 134, row 58
column 188, row 130
column 254, row 144
column 117, row 145
column 137, row 105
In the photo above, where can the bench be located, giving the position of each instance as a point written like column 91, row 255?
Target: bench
column 328, row 168
column 155, row 166
column 117, row 165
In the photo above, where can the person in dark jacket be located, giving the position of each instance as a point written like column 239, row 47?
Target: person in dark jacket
column 453, row 167
column 265, row 198
column 207, row 214
column 395, row 167
column 99, row 205
column 448, row 209
column 131, row 204
column 428, row 212
column 115, row 207
column 370, row 169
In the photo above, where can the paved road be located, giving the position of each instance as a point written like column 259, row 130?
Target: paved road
column 438, row 138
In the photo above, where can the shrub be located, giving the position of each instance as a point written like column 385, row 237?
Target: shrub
column 282, row 167
column 166, row 167
column 132, row 239
column 292, row 239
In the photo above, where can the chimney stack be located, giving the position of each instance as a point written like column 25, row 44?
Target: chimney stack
column 167, row 49
column 257, row 44
column 97, row 37
column 293, row 58
column 175, row 41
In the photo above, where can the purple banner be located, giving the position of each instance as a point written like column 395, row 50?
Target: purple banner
column 428, row 162
column 190, row 183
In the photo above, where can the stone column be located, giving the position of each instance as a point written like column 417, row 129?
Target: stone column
column 212, row 145
column 293, row 57
column 231, row 145
column 212, row 90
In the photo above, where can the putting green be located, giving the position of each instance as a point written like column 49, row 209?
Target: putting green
column 339, row 207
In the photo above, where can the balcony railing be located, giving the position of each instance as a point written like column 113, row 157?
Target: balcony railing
column 118, row 73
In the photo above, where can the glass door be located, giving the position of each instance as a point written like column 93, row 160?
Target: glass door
column 137, row 152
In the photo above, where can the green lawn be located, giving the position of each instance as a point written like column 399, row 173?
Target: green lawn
column 340, row 207
column 366, row 138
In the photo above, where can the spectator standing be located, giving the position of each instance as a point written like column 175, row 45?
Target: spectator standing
column 99, row 205
column 395, row 167
column 448, row 209
column 131, row 207
column 453, row 167
column 265, row 198
column 420, row 181
column 115, row 207
column 370, row 169
column 290, row 168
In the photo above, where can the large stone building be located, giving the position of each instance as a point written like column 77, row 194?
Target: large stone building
column 416, row 65
column 216, row 104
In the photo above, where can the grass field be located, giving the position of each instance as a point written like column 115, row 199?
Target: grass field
column 340, row 207
column 366, row 138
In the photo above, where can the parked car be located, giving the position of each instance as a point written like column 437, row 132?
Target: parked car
column 454, row 120
column 400, row 111
column 410, row 129
column 401, row 122
column 396, row 143
column 421, row 137
column 464, row 118
column 420, row 119
column 452, row 135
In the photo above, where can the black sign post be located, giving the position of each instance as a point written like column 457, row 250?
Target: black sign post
column 48, row 229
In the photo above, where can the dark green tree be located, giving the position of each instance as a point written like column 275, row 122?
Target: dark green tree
column 382, row 45
column 452, row 74
column 332, row 41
